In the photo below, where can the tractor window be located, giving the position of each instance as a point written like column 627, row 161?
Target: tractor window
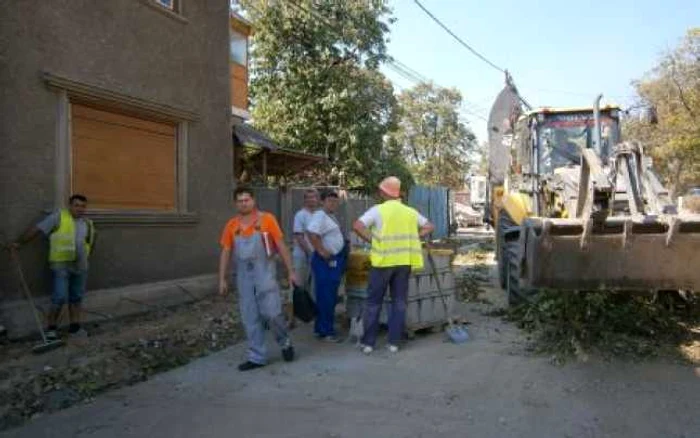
column 561, row 146
column 563, row 136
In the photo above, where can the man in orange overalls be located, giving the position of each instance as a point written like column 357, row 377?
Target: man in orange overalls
column 252, row 237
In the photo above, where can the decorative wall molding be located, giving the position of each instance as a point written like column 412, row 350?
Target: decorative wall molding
column 93, row 93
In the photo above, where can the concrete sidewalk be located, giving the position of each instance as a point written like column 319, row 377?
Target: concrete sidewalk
column 489, row 387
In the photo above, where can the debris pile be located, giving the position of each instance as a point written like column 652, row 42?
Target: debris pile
column 473, row 264
column 612, row 324
column 118, row 353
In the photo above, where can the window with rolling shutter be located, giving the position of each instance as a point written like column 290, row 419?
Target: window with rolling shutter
column 123, row 162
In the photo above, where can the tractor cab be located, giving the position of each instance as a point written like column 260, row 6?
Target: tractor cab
column 554, row 138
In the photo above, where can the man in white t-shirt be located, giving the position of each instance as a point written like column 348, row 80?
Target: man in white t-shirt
column 327, row 263
column 301, row 253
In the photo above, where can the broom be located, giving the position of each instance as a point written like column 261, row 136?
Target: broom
column 46, row 344
column 457, row 334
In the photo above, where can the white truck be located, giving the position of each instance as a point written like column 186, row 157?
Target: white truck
column 477, row 192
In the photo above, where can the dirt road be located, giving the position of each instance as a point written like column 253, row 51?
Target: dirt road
column 490, row 387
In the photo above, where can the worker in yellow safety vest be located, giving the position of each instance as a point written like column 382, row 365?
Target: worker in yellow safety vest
column 394, row 231
column 71, row 240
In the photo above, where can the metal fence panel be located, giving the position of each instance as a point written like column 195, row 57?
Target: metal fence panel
column 433, row 203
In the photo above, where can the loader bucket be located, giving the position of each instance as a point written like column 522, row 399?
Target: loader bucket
column 623, row 253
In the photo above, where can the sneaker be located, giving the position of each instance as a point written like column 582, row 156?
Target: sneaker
column 367, row 349
column 332, row 339
column 51, row 335
column 288, row 353
column 393, row 348
column 248, row 365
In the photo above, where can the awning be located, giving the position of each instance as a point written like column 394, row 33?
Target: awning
column 248, row 137
column 260, row 154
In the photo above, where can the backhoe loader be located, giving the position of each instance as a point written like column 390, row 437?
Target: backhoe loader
column 575, row 207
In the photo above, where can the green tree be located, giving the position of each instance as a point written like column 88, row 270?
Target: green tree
column 431, row 136
column 673, row 89
column 315, row 82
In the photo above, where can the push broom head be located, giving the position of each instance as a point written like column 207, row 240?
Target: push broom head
column 47, row 346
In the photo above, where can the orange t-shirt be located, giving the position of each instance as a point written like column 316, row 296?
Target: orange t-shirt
column 268, row 224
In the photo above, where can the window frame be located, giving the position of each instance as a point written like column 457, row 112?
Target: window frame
column 69, row 91
column 175, row 12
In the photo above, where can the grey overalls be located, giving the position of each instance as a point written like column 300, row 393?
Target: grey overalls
column 258, row 294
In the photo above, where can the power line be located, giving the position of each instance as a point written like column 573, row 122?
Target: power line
column 410, row 70
column 467, row 46
column 464, row 112
column 395, row 65
column 406, row 74
column 412, row 75
column 483, row 58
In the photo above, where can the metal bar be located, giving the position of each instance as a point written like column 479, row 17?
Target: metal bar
column 596, row 120
column 622, row 168
column 583, row 189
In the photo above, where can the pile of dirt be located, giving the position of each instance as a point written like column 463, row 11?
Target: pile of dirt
column 117, row 353
column 473, row 263
column 612, row 325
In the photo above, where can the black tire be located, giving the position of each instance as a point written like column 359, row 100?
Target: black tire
column 504, row 222
column 515, row 295
column 508, row 257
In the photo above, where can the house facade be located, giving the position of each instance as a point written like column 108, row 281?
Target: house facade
column 122, row 102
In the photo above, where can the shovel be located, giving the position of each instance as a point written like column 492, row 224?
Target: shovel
column 457, row 334
column 46, row 344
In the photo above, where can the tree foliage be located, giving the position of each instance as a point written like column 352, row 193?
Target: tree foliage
column 673, row 89
column 315, row 83
column 431, row 136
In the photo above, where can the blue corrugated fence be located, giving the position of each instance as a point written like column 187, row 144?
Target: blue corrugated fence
column 432, row 202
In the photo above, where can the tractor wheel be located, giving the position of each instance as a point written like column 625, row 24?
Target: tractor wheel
column 504, row 222
column 517, row 294
column 512, row 288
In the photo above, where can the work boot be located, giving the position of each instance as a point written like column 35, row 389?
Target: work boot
column 288, row 353
column 248, row 365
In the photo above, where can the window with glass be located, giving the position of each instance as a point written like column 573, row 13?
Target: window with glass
column 169, row 4
column 238, row 48
column 563, row 136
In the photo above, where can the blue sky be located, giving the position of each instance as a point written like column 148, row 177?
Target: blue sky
column 559, row 53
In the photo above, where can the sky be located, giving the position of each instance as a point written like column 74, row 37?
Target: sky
column 559, row 53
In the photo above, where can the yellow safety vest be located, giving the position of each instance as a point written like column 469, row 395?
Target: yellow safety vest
column 397, row 243
column 62, row 247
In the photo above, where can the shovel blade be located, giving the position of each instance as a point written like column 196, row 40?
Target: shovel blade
column 457, row 334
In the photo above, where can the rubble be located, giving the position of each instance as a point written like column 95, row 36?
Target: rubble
column 119, row 353
column 612, row 325
column 473, row 264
